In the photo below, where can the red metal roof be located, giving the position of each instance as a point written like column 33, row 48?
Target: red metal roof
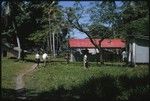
column 106, row 43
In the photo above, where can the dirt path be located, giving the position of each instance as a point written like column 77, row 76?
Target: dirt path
column 20, row 85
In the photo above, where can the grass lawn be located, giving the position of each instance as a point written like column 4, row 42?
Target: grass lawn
column 59, row 80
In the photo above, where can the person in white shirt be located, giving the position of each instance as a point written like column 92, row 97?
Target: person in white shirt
column 124, row 56
column 37, row 58
column 85, row 59
column 45, row 57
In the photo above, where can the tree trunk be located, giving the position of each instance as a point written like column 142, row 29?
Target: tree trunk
column 96, row 46
column 17, row 39
column 79, row 27
column 54, row 54
column 19, row 48
column 48, row 46
column 57, row 45
column 50, row 37
column 50, row 40
column 60, row 44
column 101, row 56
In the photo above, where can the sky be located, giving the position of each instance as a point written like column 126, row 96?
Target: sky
column 75, row 33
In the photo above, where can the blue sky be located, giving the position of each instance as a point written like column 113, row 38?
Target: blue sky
column 75, row 33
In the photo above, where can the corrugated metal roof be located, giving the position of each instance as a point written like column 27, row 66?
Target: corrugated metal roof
column 106, row 43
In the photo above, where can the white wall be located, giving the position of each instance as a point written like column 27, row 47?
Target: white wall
column 138, row 53
column 141, row 54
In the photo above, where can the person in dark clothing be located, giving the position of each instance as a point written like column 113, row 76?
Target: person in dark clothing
column 23, row 55
column 67, row 58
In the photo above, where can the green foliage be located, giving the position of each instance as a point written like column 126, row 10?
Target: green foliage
column 39, row 36
column 104, row 14
column 50, row 20
column 125, row 21
column 100, row 31
column 135, row 19
column 30, row 17
column 15, row 22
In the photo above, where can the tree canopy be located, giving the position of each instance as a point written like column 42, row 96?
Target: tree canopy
column 46, row 23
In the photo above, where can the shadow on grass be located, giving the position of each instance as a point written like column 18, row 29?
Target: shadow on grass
column 116, row 64
column 104, row 88
column 13, row 95
column 93, row 89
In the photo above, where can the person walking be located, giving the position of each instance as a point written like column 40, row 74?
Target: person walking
column 37, row 59
column 85, row 59
column 124, row 56
column 45, row 57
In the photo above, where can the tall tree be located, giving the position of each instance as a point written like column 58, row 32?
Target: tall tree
column 97, row 26
column 51, row 25
column 11, row 21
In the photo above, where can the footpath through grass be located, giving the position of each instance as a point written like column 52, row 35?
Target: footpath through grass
column 10, row 69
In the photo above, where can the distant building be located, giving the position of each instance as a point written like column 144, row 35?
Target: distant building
column 109, row 45
column 138, row 51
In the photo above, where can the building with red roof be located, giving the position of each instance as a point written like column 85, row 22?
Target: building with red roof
column 106, row 43
column 78, row 45
column 138, row 51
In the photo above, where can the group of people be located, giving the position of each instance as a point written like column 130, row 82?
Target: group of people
column 44, row 58
column 85, row 58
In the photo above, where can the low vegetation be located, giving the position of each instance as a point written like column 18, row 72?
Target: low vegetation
column 59, row 80
column 72, row 81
